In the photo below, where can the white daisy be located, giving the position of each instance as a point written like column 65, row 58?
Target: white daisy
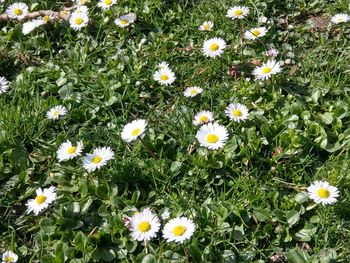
column 68, row 151
column 323, row 192
column 56, row 112
column 9, row 257
column 165, row 215
column 97, row 159
column 213, row 47
column 106, row 4
column 272, row 52
column 212, row 135
column 206, row 26
column 340, row 18
column 238, row 12
column 178, row 229
column 29, row 26
column 82, row 9
column 17, row 11
column 4, row 85
column 192, row 91
column 237, row 112
column 42, row 200
column 203, row 117
column 255, row 33
column 125, row 20
column 144, row 225
column 267, row 69
column 163, row 65
column 78, row 20
column 262, row 19
column 164, row 76
column 133, row 130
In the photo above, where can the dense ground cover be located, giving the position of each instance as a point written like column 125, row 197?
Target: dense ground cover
column 248, row 200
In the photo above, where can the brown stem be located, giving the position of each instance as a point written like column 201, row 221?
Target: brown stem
column 53, row 15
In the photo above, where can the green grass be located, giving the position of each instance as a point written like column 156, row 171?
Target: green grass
column 247, row 205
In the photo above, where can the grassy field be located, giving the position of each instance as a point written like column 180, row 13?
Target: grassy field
column 248, row 200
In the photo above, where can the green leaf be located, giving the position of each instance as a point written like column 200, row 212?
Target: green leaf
column 149, row 259
column 301, row 197
column 297, row 256
column 86, row 205
column 293, row 217
column 327, row 118
column 262, row 214
column 306, row 233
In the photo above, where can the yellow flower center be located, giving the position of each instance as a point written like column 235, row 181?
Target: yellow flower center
column 9, row 259
column 238, row 12
column 108, row 2
column 256, row 32
column 179, row 230
column 46, row 18
column 56, row 113
column 237, row 113
column 78, row 21
column 206, row 26
column 97, row 159
column 267, row 70
column 18, row 11
column 203, row 119
column 124, row 22
column 212, row 138
column 164, row 77
column 323, row 193
column 144, row 226
column 136, row 132
column 71, row 149
column 214, row 47
column 193, row 92
column 40, row 199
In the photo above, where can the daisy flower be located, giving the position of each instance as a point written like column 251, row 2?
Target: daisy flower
column 144, row 225
column 178, row 229
column 203, row 117
column 125, row 20
column 17, row 11
column 238, row 12
column 97, row 159
column 164, row 76
column 192, row 91
column 55, row 112
column 340, row 18
column 106, row 4
column 267, row 69
column 262, row 19
column 272, row 52
column 212, row 135
column 237, row 112
column 82, row 9
column 213, row 47
column 29, row 26
column 78, row 20
column 206, row 26
column 255, row 33
column 133, row 130
column 4, row 85
column 42, row 200
column 165, row 215
column 68, row 151
column 163, row 65
column 323, row 192
column 9, row 257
